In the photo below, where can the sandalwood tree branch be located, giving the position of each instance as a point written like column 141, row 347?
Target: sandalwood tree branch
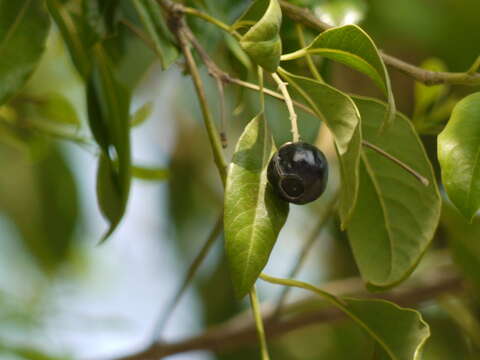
column 427, row 77
column 222, row 76
column 179, row 28
column 241, row 331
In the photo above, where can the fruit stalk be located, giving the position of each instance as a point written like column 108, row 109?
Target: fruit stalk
column 282, row 86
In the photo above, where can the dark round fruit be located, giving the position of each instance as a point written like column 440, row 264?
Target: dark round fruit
column 298, row 172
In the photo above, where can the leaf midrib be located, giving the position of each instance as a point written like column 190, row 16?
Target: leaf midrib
column 255, row 218
column 376, row 186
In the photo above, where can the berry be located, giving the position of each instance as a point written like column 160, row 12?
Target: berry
column 298, row 172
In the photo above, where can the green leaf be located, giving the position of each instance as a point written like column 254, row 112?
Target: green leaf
column 108, row 114
column 76, row 34
column 142, row 114
column 396, row 215
column 151, row 16
column 41, row 198
column 341, row 115
column 24, row 27
column 459, row 156
column 262, row 41
column 254, row 215
column 352, row 46
column 56, row 108
column 401, row 332
column 109, row 193
column 149, row 174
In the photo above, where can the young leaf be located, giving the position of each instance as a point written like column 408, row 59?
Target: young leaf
column 401, row 332
column 262, row 41
column 254, row 215
column 343, row 119
column 108, row 114
column 142, row 114
column 459, row 156
column 150, row 14
column 396, row 215
column 24, row 27
column 352, row 46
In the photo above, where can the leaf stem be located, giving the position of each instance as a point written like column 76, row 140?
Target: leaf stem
column 294, row 55
column 475, row 66
column 382, row 152
column 192, row 270
column 210, row 19
column 282, row 86
column 309, row 59
column 259, row 323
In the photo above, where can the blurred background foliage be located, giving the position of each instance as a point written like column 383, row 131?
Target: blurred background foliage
column 61, row 297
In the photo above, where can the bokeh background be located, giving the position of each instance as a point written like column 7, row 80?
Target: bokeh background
column 64, row 297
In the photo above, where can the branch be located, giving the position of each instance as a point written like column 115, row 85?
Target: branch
column 179, row 28
column 241, row 331
column 307, row 18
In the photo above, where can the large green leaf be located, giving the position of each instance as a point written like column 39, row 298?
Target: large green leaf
column 352, row 46
column 24, row 26
column 254, row 215
column 39, row 194
column 108, row 114
column 400, row 332
column 262, row 41
column 459, row 156
column 343, row 119
column 150, row 14
column 396, row 215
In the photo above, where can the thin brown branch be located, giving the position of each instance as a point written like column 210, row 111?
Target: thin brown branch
column 307, row 18
column 240, row 331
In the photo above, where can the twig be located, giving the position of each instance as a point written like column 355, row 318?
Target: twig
column 307, row 18
column 240, row 331
column 163, row 321
column 282, row 86
column 178, row 27
column 257, row 315
column 400, row 163
column 223, row 114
